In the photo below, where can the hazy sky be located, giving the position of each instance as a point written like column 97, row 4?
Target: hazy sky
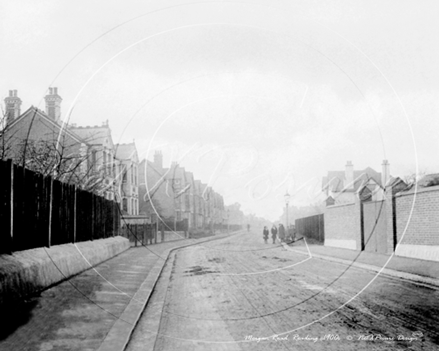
column 254, row 97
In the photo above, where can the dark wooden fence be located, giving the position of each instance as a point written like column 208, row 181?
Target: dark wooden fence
column 37, row 211
column 311, row 227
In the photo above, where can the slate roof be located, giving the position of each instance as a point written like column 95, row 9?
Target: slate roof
column 93, row 135
column 334, row 180
column 37, row 114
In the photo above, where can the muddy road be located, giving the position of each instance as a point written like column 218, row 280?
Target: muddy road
column 241, row 294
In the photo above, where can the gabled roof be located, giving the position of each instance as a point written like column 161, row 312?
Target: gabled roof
column 37, row 114
column 150, row 165
column 126, row 151
column 177, row 172
column 335, row 179
column 367, row 183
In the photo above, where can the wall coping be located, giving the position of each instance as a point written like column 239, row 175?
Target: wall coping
column 372, row 202
column 341, row 205
column 419, row 190
column 318, row 214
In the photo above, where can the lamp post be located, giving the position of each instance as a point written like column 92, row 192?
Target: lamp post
column 287, row 199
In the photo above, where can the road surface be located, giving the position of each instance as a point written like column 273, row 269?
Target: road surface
column 241, row 294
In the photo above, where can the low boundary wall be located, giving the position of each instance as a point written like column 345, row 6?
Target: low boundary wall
column 30, row 271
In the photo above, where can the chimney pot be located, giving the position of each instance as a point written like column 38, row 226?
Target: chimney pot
column 13, row 104
column 53, row 105
column 385, row 172
column 158, row 160
column 349, row 176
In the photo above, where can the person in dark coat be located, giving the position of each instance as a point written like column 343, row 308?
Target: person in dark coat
column 282, row 233
column 265, row 234
column 274, row 232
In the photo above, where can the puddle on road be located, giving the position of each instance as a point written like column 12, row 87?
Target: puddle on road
column 280, row 259
column 199, row 270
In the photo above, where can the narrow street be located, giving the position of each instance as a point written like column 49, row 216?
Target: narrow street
column 241, row 294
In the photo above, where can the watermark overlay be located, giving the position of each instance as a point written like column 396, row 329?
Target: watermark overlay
column 330, row 338
column 260, row 187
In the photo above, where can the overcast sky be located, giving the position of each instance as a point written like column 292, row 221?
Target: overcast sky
column 253, row 97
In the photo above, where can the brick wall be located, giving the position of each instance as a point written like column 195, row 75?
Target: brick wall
column 407, row 224
column 375, row 217
column 342, row 226
column 421, row 227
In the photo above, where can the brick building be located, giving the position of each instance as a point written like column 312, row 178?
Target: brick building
column 341, row 187
column 128, row 159
column 103, row 157
column 41, row 142
column 84, row 156
column 173, row 194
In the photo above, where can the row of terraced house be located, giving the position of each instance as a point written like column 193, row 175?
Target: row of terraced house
column 88, row 157
column 174, row 195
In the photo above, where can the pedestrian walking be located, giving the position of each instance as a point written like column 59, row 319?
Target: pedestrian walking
column 274, row 232
column 248, row 227
column 282, row 232
column 265, row 234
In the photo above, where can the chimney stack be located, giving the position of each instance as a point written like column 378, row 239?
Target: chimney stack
column 158, row 159
column 349, row 175
column 385, row 172
column 12, row 103
column 53, row 105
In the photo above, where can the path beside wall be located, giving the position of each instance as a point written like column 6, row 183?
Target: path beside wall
column 30, row 271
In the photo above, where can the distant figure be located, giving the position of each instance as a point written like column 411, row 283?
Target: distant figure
column 248, row 227
column 292, row 233
column 282, row 233
column 274, row 232
column 289, row 235
column 265, row 234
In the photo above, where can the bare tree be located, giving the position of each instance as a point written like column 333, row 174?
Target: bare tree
column 60, row 157
column 413, row 178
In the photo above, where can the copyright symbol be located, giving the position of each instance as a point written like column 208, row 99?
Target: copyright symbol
column 349, row 337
